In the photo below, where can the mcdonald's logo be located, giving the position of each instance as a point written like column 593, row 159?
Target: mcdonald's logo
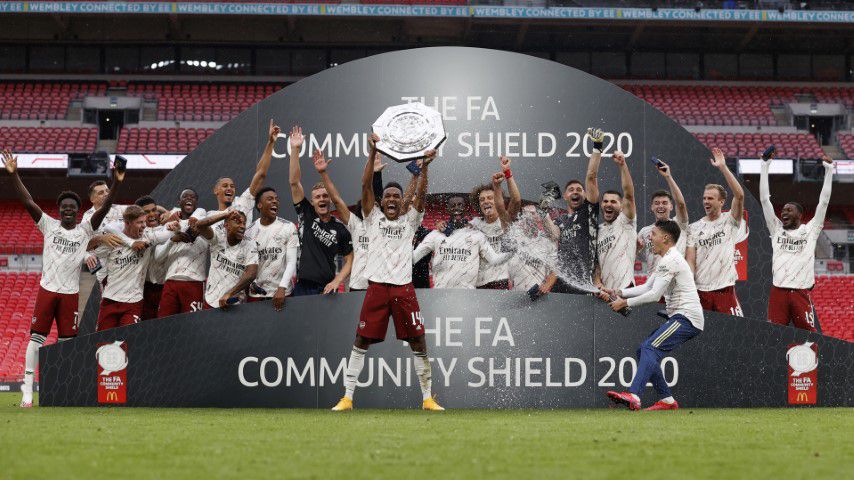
column 114, row 397
column 803, row 397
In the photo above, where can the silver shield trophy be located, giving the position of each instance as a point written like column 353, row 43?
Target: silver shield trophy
column 407, row 131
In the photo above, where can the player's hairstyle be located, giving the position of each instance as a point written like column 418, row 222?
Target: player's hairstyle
column 318, row 186
column 662, row 193
column 221, row 179
column 721, row 190
column 239, row 212
column 69, row 194
column 612, row 192
column 474, row 196
column 262, row 192
column 145, row 200
column 797, row 206
column 671, row 228
column 133, row 212
column 94, row 185
column 393, row 185
column 190, row 189
column 574, row 180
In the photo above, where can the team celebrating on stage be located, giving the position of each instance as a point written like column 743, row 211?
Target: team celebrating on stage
column 154, row 262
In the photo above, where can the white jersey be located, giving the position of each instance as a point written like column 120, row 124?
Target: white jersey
column 673, row 279
column 494, row 233
column 650, row 258
column 227, row 265
column 390, row 246
column 116, row 214
column 715, row 243
column 456, row 258
column 62, row 254
column 156, row 268
column 126, row 268
column 535, row 258
column 274, row 241
column 358, row 278
column 245, row 203
column 616, row 248
column 185, row 261
column 793, row 261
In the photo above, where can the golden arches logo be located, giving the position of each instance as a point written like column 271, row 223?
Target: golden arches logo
column 114, row 397
column 803, row 397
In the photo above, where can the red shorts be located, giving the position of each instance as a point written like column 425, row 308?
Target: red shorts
column 399, row 301
column 51, row 306
column 181, row 296
column 723, row 301
column 151, row 294
column 118, row 314
column 790, row 305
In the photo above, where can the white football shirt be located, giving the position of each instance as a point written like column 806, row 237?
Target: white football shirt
column 62, row 254
column 616, row 249
column 456, row 258
column 116, row 214
column 715, row 243
column 532, row 262
column 185, row 261
column 273, row 241
column 227, row 265
column 647, row 256
column 126, row 268
column 390, row 246
column 494, row 233
column 244, row 203
column 673, row 279
column 356, row 227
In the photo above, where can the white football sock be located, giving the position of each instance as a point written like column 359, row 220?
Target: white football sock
column 668, row 400
column 634, row 396
column 30, row 363
column 354, row 368
column 425, row 374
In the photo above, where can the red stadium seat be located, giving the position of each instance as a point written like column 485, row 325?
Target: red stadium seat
column 789, row 145
column 42, row 100
column 49, row 139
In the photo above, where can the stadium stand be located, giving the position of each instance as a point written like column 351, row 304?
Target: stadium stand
column 17, row 300
column 161, row 140
column 49, row 139
column 43, row 101
column 731, row 105
column 202, row 102
column 846, row 143
column 751, row 145
column 19, row 234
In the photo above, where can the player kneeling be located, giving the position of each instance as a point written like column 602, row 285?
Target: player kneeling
column 391, row 230
column 673, row 279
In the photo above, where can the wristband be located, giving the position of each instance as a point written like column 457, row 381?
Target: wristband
column 508, row 174
column 598, row 146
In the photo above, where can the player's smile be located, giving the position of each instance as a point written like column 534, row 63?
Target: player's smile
column 575, row 200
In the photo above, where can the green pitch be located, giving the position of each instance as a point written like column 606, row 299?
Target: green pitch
column 117, row 443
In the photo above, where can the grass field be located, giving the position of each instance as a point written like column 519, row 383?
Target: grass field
column 114, row 443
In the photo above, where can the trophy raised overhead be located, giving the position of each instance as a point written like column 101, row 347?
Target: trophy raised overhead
column 408, row 131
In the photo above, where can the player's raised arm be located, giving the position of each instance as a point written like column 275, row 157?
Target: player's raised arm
column 321, row 164
column 295, row 143
column 421, row 189
column 101, row 213
column 591, row 181
column 203, row 227
column 737, row 206
column 291, row 258
column 409, row 193
column 498, row 196
column 515, row 204
column 264, row 162
column 678, row 198
column 771, row 219
column 11, row 164
column 368, row 194
column 378, row 177
column 629, row 207
column 824, row 197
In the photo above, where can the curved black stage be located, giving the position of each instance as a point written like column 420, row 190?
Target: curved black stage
column 489, row 350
